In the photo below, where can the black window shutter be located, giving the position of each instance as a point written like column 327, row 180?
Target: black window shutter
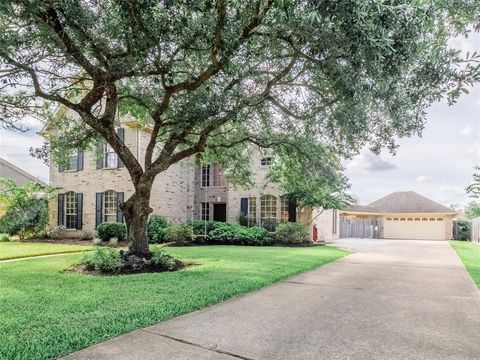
column 60, row 204
column 98, row 209
column 80, row 159
column 79, row 211
column 244, row 206
column 119, row 211
column 121, row 135
column 292, row 210
column 100, row 154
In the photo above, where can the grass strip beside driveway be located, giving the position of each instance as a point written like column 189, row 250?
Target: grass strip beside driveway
column 47, row 313
column 18, row 250
column 469, row 253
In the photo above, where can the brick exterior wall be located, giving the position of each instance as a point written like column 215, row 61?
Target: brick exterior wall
column 177, row 193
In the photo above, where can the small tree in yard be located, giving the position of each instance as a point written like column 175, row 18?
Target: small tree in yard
column 472, row 210
column 305, row 79
column 26, row 207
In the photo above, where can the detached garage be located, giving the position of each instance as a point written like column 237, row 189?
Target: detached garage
column 400, row 215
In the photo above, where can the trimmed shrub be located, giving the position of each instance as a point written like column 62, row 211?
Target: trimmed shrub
column 247, row 221
column 269, row 224
column 160, row 259
column 179, row 234
column 258, row 236
column 227, row 233
column 4, row 237
column 103, row 259
column 201, row 227
column 156, row 229
column 108, row 230
column 291, row 233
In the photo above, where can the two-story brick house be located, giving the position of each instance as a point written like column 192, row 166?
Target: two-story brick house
column 91, row 187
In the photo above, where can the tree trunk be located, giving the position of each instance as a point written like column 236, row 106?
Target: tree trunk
column 136, row 211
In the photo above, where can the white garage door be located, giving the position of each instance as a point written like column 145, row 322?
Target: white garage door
column 414, row 228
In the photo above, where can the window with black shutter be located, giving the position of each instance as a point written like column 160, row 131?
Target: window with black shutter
column 98, row 209
column 61, row 210
column 119, row 210
column 79, row 211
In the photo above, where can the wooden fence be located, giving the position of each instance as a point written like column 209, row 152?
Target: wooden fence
column 358, row 228
column 475, row 230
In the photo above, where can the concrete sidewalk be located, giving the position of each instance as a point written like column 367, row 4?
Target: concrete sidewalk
column 390, row 300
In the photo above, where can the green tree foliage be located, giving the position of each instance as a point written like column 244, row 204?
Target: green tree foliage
column 472, row 210
column 473, row 190
column 26, row 207
column 212, row 77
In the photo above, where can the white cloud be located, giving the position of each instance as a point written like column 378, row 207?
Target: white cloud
column 423, row 178
column 467, row 130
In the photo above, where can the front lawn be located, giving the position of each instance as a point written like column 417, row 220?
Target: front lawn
column 46, row 313
column 469, row 253
column 16, row 250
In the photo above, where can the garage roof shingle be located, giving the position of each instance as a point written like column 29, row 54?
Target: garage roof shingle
column 402, row 202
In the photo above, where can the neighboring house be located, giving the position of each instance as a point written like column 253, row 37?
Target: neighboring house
column 400, row 215
column 10, row 171
column 93, row 186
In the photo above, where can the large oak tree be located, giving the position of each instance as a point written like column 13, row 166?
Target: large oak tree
column 309, row 80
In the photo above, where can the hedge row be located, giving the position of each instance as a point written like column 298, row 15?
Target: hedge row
column 210, row 232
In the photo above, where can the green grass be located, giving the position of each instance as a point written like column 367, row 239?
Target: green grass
column 469, row 253
column 17, row 250
column 46, row 313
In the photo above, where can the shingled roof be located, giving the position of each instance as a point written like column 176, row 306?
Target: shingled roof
column 402, row 202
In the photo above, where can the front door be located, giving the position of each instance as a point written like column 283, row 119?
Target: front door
column 220, row 212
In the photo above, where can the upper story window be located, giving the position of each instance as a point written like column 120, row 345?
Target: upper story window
column 212, row 176
column 70, row 210
column 110, row 205
column 74, row 161
column 110, row 157
column 106, row 155
column 266, row 161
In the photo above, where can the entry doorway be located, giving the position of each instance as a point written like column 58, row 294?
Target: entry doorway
column 220, row 212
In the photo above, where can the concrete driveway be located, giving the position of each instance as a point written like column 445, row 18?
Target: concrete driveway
column 392, row 299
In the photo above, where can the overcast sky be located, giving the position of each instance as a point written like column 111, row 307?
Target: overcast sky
column 438, row 165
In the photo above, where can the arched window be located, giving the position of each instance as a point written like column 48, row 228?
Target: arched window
column 70, row 210
column 110, row 206
column 268, row 207
column 284, row 209
column 432, row 219
column 439, row 219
